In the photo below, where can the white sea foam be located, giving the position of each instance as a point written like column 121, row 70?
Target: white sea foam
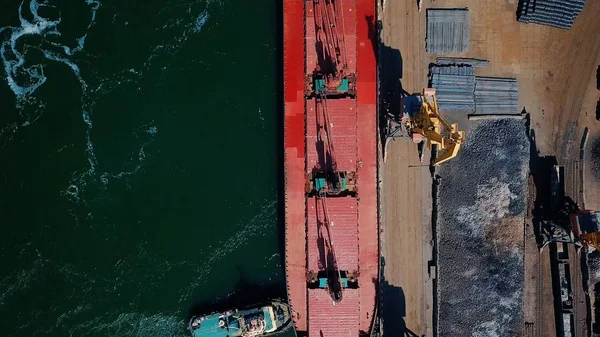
column 200, row 22
column 24, row 77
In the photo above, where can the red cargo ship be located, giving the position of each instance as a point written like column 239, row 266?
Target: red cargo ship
column 331, row 166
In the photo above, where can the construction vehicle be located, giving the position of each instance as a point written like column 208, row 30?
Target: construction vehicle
column 422, row 120
column 331, row 76
column 563, row 221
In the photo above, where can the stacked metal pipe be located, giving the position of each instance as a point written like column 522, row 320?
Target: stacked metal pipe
column 496, row 96
column 477, row 63
column 455, row 86
column 555, row 13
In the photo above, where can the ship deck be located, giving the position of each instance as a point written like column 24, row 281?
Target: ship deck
column 344, row 233
column 354, row 130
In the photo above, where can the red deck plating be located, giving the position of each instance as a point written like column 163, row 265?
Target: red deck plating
column 294, row 138
column 349, row 9
column 354, row 129
column 327, row 319
column 342, row 117
column 344, row 232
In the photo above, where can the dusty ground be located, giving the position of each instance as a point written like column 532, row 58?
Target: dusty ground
column 407, row 244
column 406, row 187
column 556, row 71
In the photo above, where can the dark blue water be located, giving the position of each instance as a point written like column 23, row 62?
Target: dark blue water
column 138, row 163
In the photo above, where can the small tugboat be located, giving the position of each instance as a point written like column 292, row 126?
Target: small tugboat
column 268, row 319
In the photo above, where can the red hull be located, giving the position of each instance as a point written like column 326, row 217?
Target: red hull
column 355, row 135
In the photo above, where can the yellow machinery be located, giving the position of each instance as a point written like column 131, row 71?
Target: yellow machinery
column 563, row 221
column 427, row 123
column 590, row 240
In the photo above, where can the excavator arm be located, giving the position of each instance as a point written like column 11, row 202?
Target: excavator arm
column 432, row 126
column 447, row 153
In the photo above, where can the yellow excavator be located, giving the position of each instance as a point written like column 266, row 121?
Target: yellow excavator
column 427, row 123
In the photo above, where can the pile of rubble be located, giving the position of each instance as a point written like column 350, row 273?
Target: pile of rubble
column 482, row 204
column 595, row 158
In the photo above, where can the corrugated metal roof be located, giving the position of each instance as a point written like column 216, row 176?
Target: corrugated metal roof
column 344, row 232
column 448, row 30
column 328, row 320
column 455, row 86
column 495, row 95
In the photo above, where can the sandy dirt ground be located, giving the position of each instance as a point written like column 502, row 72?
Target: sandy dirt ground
column 407, row 244
column 556, row 73
column 587, row 118
column 407, row 289
column 537, row 289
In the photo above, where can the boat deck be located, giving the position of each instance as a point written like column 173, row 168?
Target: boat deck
column 344, row 233
column 342, row 117
column 327, row 319
column 312, row 59
column 354, row 129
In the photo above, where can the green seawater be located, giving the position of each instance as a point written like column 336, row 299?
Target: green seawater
column 139, row 163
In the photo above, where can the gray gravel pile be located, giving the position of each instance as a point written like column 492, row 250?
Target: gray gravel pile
column 480, row 222
column 595, row 158
column 593, row 262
